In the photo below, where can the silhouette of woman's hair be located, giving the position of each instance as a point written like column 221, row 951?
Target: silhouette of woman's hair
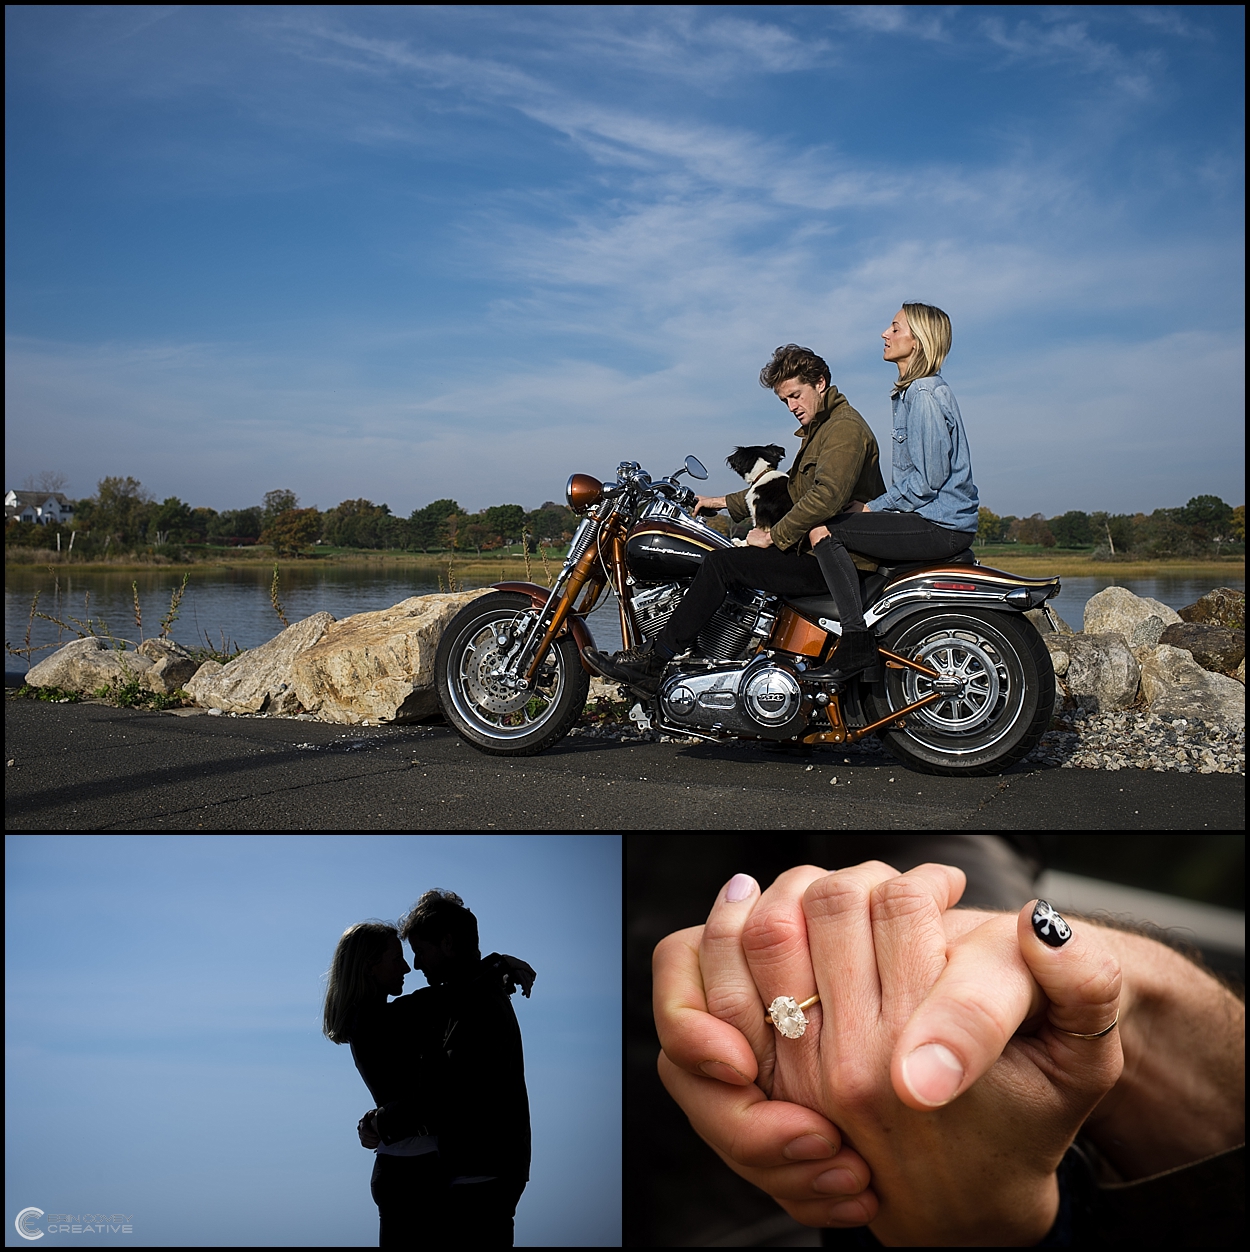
column 436, row 915
column 348, row 982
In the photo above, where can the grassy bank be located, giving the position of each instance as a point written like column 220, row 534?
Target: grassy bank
column 1032, row 561
column 496, row 565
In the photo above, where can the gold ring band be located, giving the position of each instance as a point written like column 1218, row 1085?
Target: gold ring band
column 1097, row 1035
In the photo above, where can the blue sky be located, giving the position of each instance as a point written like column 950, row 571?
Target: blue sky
column 405, row 253
column 163, row 1048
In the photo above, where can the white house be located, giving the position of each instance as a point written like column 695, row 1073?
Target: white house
column 44, row 507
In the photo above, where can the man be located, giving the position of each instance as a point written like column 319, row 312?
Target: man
column 837, row 467
column 483, row 1115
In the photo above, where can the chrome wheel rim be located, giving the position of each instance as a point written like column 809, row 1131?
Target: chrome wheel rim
column 484, row 700
column 973, row 661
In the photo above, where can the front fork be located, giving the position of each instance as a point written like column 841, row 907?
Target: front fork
column 585, row 574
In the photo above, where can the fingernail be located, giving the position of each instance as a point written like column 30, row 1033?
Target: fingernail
column 740, row 886
column 808, row 1148
column 836, row 1182
column 933, row 1074
column 1049, row 927
column 723, row 1073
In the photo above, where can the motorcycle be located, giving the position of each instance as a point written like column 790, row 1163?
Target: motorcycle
column 967, row 687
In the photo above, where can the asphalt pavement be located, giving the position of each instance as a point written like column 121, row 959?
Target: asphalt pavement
column 90, row 766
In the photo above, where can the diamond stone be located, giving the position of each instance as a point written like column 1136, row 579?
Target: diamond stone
column 788, row 1017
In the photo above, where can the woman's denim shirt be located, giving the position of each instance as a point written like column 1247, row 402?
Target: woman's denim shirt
column 931, row 469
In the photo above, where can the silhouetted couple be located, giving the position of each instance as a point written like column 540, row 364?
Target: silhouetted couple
column 444, row 1065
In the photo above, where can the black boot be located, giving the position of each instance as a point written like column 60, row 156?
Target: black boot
column 639, row 667
column 856, row 654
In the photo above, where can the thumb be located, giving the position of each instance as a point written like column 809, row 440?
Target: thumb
column 1081, row 979
column 968, row 1017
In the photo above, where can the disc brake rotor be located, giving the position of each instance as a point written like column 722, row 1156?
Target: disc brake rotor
column 490, row 693
column 968, row 660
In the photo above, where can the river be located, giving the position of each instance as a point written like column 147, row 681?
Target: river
column 233, row 606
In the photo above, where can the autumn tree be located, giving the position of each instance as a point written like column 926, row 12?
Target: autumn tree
column 292, row 531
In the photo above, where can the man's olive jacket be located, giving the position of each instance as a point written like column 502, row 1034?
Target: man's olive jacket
column 837, row 462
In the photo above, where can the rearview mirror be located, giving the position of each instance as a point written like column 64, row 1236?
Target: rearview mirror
column 694, row 467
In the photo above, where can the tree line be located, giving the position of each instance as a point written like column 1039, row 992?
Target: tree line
column 123, row 515
column 1204, row 526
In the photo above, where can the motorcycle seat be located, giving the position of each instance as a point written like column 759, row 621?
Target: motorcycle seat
column 870, row 586
column 966, row 557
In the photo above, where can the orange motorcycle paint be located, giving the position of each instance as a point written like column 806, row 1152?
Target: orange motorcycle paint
column 796, row 634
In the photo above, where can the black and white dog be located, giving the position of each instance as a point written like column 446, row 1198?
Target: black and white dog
column 768, row 494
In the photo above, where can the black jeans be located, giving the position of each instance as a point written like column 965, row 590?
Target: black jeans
column 414, row 1201
column 885, row 537
column 483, row 1211
column 763, row 569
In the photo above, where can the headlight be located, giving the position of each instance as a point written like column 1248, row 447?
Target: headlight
column 583, row 492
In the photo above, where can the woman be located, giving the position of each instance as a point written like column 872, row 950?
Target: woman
column 929, row 512
column 397, row 1052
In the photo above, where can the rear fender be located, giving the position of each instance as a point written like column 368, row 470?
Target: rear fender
column 957, row 587
column 573, row 624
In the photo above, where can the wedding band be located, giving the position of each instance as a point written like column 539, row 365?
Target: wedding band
column 1098, row 1035
column 787, row 1015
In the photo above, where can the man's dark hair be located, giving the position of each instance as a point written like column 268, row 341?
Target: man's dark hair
column 791, row 361
column 436, row 915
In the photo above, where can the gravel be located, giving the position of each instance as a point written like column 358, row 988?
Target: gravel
column 1137, row 739
column 1133, row 739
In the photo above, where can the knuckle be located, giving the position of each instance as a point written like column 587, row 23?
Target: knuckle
column 1100, row 983
column 845, row 891
column 733, row 1003
column 773, row 933
column 901, row 898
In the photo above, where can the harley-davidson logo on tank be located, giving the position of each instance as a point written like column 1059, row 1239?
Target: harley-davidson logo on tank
column 659, row 550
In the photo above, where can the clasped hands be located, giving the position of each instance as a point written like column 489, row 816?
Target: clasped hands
column 934, row 1090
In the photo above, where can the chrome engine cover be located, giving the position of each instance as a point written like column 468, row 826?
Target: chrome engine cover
column 759, row 698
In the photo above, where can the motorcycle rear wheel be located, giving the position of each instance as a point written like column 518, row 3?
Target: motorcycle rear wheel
column 495, row 719
column 1001, row 710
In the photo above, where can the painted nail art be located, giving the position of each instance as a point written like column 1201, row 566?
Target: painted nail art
column 1049, row 927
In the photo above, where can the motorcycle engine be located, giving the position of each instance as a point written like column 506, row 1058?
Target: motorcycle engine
column 741, row 623
column 761, row 698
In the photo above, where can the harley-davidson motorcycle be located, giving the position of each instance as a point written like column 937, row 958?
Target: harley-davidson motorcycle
column 967, row 684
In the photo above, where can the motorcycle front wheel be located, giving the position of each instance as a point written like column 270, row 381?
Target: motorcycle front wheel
column 492, row 717
column 1000, row 692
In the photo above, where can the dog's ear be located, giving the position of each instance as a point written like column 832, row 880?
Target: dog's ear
column 729, row 460
column 778, row 451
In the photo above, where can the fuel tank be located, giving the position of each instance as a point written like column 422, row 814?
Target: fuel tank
column 665, row 545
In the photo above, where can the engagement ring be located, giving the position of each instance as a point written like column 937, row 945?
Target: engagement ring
column 787, row 1015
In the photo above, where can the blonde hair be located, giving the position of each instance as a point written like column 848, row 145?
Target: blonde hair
column 348, row 981
column 931, row 329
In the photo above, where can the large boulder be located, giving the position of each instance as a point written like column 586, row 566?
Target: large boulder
column 1221, row 607
column 172, row 666
column 1116, row 610
column 1175, row 685
column 1213, row 647
column 1102, row 674
column 87, row 665
column 378, row 667
column 259, row 680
